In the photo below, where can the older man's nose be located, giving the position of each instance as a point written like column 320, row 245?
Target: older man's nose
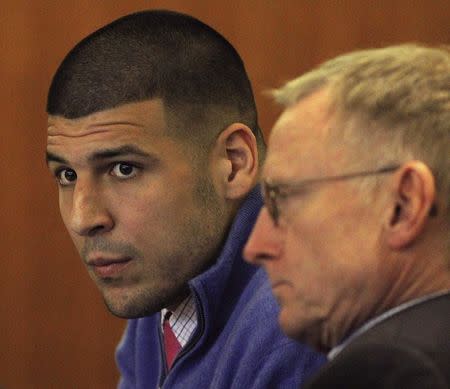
column 264, row 242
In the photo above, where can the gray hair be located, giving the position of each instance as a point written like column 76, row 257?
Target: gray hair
column 397, row 98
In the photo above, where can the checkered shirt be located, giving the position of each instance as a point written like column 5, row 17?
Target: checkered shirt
column 183, row 320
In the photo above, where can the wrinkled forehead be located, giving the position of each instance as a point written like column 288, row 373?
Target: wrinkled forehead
column 128, row 127
column 300, row 139
column 147, row 113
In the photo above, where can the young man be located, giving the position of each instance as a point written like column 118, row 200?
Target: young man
column 354, row 234
column 154, row 142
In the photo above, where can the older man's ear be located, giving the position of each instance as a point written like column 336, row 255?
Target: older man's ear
column 413, row 200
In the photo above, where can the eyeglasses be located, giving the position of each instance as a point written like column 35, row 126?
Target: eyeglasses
column 272, row 192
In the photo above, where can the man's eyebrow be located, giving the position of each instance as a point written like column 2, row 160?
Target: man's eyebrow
column 50, row 157
column 102, row 154
column 117, row 152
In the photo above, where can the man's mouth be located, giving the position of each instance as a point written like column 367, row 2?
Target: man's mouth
column 108, row 267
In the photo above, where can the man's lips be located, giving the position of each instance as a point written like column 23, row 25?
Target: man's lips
column 105, row 267
column 278, row 283
column 105, row 261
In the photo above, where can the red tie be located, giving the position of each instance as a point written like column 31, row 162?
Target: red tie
column 171, row 344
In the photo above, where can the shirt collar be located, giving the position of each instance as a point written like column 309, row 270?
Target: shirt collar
column 378, row 319
column 183, row 320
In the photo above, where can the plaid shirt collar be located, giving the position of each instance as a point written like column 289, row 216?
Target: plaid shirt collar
column 183, row 320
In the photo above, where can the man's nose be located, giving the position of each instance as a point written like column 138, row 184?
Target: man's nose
column 264, row 242
column 90, row 215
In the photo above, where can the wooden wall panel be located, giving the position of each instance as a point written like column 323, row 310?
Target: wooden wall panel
column 54, row 329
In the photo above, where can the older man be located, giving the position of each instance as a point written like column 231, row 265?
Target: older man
column 354, row 234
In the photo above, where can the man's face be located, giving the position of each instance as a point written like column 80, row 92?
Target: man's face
column 321, row 257
column 143, row 219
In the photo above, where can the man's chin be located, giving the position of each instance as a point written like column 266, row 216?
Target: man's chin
column 129, row 310
column 132, row 304
column 289, row 329
column 292, row 326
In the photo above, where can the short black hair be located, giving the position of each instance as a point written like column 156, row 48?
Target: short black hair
column 197, row 73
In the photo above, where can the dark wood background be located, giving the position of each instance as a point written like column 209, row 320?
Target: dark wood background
column 54, row 329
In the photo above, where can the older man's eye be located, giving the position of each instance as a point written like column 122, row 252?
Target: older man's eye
column 124, row 170
column 66, row 177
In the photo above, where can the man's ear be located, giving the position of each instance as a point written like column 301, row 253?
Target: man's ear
column 235, row 161
column 414, row 197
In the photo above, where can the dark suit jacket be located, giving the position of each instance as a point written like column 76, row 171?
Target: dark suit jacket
column 409, row 350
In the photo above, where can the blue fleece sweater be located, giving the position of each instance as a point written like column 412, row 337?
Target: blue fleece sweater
column 237, row 344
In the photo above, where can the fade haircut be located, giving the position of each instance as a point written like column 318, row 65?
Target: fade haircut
column 196, row 72
column 392, row 105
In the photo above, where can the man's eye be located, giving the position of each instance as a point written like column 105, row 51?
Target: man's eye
column 66, row 177
column 124, row 170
